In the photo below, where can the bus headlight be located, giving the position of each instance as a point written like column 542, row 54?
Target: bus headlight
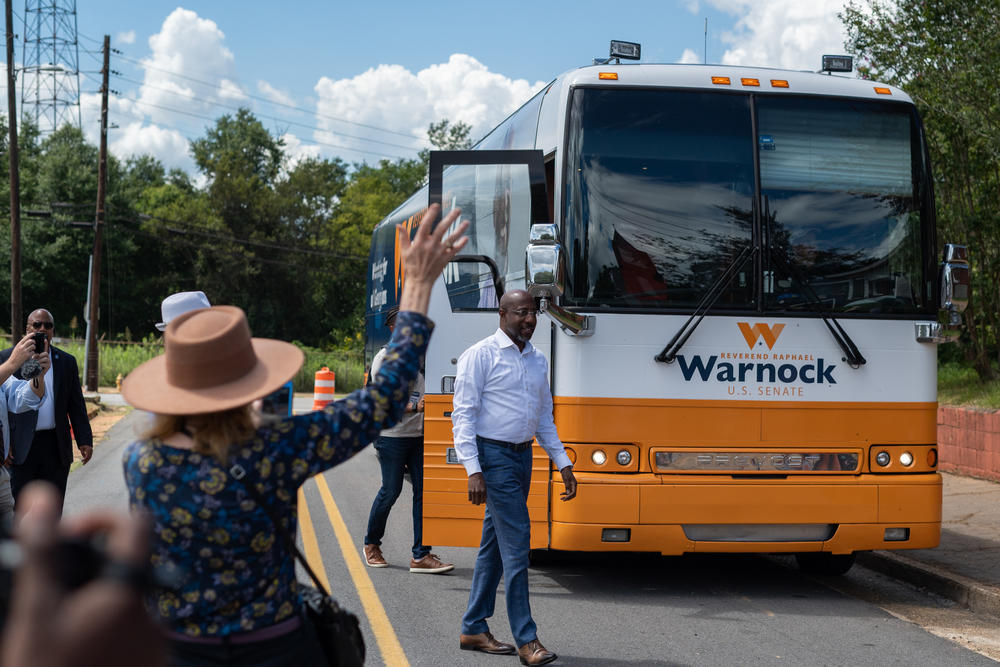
column 882, row 458
column 906, row 458
column 599, row 457
column 624, row 457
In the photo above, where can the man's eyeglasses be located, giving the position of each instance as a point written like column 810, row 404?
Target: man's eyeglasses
column 41, row 325
column 524, row 312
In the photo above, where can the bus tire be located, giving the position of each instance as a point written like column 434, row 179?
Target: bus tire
column 824, row 563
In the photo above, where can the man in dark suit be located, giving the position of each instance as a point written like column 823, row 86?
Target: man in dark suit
column 48, row 453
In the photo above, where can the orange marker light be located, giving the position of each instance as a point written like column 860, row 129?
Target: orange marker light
column 882, row 91
column 608, row 76
column 721, row 80
column 779, row 83
column 750, row 82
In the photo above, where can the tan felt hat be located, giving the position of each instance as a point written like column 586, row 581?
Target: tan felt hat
column 210, row 364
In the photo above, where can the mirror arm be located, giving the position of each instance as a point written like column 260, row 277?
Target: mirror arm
column 570, row 322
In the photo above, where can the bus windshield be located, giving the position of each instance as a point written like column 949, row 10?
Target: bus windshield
column 660, row 197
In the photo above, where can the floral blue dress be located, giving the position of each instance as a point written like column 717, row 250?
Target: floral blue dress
column 233, row 573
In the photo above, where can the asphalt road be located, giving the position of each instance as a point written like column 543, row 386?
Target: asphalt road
column 590, row 609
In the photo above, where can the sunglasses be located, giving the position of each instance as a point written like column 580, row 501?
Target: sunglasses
column 41, row 325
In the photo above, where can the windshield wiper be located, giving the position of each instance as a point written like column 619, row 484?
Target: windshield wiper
column 852, row 354
column 669, row 353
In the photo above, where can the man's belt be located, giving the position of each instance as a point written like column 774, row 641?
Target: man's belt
column 516, row 446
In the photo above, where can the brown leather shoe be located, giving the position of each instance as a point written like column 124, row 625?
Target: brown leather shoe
column 533, row 653
column 486, row 643
column 373, row 556
column 430, row 564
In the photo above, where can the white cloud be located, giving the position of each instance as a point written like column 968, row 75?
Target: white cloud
column 790, row 34
column 273, row 94
column 392, row 97
column 230, row 90
column 125, row 37
column 132, row 135
column 297, row 151
column 167, row 145
column 194, row 48
column 689, row 57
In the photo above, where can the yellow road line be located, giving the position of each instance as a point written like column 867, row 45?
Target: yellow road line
column 385, row 635
column 309, row 541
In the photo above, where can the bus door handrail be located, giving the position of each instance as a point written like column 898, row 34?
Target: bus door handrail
column 852, row 354
column 669, row 353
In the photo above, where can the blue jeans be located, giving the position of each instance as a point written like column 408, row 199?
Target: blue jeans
column 504, row 547
column 395, row 454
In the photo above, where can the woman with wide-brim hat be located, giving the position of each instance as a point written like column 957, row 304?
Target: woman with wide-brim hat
column 236, row 599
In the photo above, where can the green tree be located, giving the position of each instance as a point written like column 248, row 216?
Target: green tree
column 945, row 54
column 447, row 137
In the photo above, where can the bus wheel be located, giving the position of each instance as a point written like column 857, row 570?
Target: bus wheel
column 824, row 563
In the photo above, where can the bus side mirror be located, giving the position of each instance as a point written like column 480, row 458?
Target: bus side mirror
column 545, row 277
column 544, row 262
column 954, row 283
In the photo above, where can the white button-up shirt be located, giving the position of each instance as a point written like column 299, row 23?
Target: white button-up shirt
column 502, row 393
column 47, row 410
column 15, row 396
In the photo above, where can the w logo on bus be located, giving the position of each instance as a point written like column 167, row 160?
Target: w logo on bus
column 768, row 332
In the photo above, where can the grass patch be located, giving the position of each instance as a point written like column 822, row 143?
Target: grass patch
column 960, row 385
column 348, row 366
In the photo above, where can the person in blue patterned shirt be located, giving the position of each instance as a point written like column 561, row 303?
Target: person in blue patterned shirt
column 236, row 600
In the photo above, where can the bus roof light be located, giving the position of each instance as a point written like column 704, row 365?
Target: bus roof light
column 627, row 50
column 721, row 80
column 750, row 82
column 881, row 90
column 607, row 76
column 779, row 83
column 837, row 64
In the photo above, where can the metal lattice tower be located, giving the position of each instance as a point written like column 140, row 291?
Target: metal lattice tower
column 50, row 74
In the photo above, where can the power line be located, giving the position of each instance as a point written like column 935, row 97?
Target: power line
column 182, row 227
column 270, row 101
column 209, row 118
column 275, row 118
column 201, row 231
column 219, row 250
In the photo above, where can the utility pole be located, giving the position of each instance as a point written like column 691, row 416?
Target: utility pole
column 95, row 261
column 16, row 318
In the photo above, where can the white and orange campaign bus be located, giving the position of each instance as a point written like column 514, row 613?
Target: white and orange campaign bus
column 742, row 300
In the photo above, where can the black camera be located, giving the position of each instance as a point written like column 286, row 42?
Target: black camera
column 39, row 338
column 75, row 561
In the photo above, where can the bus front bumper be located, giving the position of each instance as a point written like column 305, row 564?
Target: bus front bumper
column 721, row 515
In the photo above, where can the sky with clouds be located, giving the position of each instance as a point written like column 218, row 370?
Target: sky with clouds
column 362, row 81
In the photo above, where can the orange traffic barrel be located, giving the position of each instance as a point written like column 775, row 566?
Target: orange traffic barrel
column 326, row 385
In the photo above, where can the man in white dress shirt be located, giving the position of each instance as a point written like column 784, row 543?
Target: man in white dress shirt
column 16, row 396
column 502, row 401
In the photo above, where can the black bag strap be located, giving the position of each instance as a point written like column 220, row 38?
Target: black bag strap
column 239, row 473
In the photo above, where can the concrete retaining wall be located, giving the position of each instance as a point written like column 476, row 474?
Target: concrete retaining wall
column 969, row 442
